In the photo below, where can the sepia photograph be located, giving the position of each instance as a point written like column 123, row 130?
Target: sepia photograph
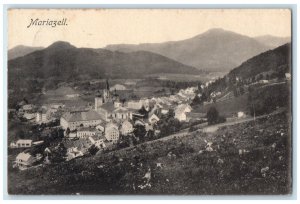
column 149, row 101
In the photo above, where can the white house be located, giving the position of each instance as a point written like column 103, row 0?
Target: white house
column 23, row 143
column 41, row 116
column 241, row 114
column 136, row 105
column 28, row 107
column 24, row 160
column 118, row 87
column 29, row 116
column 126, row 128
column 153, row 118
column 98, row 141
column 181, row 110
column 86, row 132
column 112, row 132
column 288, row 76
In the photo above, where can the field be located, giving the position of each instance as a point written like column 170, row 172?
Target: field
column 247, row 158
column 226, row 107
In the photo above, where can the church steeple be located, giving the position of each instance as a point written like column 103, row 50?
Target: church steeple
column 107, row 85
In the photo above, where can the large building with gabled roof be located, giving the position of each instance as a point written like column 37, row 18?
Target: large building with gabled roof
column 76, row 119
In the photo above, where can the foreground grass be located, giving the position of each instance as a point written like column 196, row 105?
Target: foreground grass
column 179, row 166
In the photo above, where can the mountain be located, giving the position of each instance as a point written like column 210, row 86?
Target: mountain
column 214, row 50
column 62, row 61
column 277, row 60
column 272, row 41
column 20, row 51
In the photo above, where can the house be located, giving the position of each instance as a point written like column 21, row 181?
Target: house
column 86, row 132
column 122, row 113
column 112, row 132
column 56, row 105
column 27, row 107
column 181, row 110
column 288, row 76
column 164, row 109
column 118, row 87
column 41, row 116
column 63, row 91
column 98, row 141
column 126, row 128
column 241, row 114
column 100, row 128
column 13, row 145
column 153, row 118
column 76, row 119
column 29, row 116
column 24, row 160
column 77, row 148
column 263, row 81
column 23, row 143
column 134, row 104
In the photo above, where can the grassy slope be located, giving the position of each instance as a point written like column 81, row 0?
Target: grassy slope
column 189, row 172
column 227, row 107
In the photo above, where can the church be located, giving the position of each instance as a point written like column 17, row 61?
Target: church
column 110, row 108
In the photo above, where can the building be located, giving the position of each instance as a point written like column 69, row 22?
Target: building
column 105, row 111
column 118, row 87
column 98, row 102
column 134, row 104
column 76, row 119
column 27, row 107
column 181, row 110
column 241, row 114
column 21, row 144
column 110, row 110
column 122, row 113
column 153, row 118
column 24, row 160
column 29, row 116
column 77, row 148
column 63, row 91
column 41, row 116
column 98, row 141
column 288, row 76
column 86, row 132
column 126, row 128
column 112, row 132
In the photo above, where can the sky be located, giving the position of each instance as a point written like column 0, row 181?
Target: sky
column 97, row 28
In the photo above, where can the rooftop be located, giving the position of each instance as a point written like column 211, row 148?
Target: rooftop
column 108, row 106
column 81, row 116
column 24, row 156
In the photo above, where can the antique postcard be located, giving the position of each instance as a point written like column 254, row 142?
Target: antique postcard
column 149, row 102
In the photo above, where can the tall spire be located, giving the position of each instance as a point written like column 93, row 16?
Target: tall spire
column 107, row 85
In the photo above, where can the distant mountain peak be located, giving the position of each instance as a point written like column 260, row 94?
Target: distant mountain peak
column 60, row 45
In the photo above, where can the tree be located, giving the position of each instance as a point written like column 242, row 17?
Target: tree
column 212, row 116
column 139, row 131
column 242, row 90
column 143, row 112
column 196, row 100
column 93, row 150
column 58, row 155
column 68, row 131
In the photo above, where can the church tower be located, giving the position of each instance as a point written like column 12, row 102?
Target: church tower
column 98, row 102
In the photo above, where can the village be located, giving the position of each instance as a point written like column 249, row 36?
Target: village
column 112, row 123
column 102, row 127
